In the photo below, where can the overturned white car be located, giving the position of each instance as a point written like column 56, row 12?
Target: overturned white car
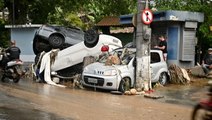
column 66, row 60
column 121, row 76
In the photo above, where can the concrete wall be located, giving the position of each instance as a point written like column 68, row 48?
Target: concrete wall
column 24, row 40
column 23, row 35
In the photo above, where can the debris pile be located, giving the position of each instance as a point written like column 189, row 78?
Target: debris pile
column 197, row 71
column 133, row 92
column 46, row 62
column 178, row 75
column 146, row 94
column 112, row 60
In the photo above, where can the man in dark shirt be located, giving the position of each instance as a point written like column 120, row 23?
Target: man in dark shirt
column 162, row 46
column 14, row 52
column 207, row 61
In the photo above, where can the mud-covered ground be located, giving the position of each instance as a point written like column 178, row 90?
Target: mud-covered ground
column 28, row 100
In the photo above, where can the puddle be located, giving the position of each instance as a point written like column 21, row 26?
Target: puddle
column 7, row 113
column 184, row 94
column 12, row 108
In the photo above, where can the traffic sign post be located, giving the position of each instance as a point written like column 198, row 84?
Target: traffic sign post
column 143, row 36
column 147, row 16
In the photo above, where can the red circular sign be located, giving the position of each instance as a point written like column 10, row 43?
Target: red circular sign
column 147, row 16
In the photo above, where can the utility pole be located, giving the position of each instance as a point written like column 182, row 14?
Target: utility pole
column 143, row 36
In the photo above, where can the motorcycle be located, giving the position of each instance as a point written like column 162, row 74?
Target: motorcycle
column 203, row 110
column 13, row 69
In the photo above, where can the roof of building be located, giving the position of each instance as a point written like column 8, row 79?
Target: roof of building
column 24, row 26
column 109, row 21
column 169, row 15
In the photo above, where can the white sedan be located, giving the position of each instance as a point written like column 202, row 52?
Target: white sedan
column 122, row 76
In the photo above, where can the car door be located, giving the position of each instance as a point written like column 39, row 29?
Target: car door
column 155, row 66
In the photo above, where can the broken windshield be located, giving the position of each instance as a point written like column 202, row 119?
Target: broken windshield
column 117, row 57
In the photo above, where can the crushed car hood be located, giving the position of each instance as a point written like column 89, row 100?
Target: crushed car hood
column 99, row 68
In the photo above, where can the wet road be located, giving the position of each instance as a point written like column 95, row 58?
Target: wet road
column 35, row 101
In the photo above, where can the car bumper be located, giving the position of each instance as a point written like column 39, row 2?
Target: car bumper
column 102, row 82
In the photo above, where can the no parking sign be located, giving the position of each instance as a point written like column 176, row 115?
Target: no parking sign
column 147, row 16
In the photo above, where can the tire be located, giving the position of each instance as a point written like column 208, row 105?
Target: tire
column 163, row 78
column 124, row 85
column 199, row 113
column 16, row 80
column 91, row 38
column 3, row 78
column 56, row 41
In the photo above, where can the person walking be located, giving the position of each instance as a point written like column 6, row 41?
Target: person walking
column 162, row 46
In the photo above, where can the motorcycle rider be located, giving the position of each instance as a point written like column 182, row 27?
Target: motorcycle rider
column 13, row 52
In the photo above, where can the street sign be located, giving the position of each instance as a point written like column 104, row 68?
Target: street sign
column 147, row 16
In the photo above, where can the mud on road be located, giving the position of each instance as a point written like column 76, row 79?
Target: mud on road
column 28, row 99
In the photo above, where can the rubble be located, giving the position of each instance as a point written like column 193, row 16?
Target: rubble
column 178, row 75
column 153, row 96
column 197, row 71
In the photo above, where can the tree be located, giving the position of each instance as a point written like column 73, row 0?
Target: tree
column 58, row 11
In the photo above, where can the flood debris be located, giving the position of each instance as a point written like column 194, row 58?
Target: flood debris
column 112, row 60
column 199, row 72
column 152, row 96
column 146, row 94
column 178, row 75
column 133, row 91
column 46, row 62
column 74, row 82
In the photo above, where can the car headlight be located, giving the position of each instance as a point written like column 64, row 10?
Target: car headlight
column 110, row 72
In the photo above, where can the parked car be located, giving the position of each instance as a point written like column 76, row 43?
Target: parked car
column 117, row 77
column 48, row 37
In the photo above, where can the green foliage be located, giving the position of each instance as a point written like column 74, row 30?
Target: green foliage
column 4, row 34
column 59, row 11
column 73, row 20
column 102, row 8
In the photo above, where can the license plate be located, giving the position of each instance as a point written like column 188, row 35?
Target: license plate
column 92, row 80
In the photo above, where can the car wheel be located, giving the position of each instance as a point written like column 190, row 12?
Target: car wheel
column 163, row 78
column 3, row 78
column 91, row 38
column 16, row 80
column 124, row 85
column 56, row 41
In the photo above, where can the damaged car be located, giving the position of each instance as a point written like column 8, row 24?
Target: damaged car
column 67, row 62
column 49, row 37
column 116, row 71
